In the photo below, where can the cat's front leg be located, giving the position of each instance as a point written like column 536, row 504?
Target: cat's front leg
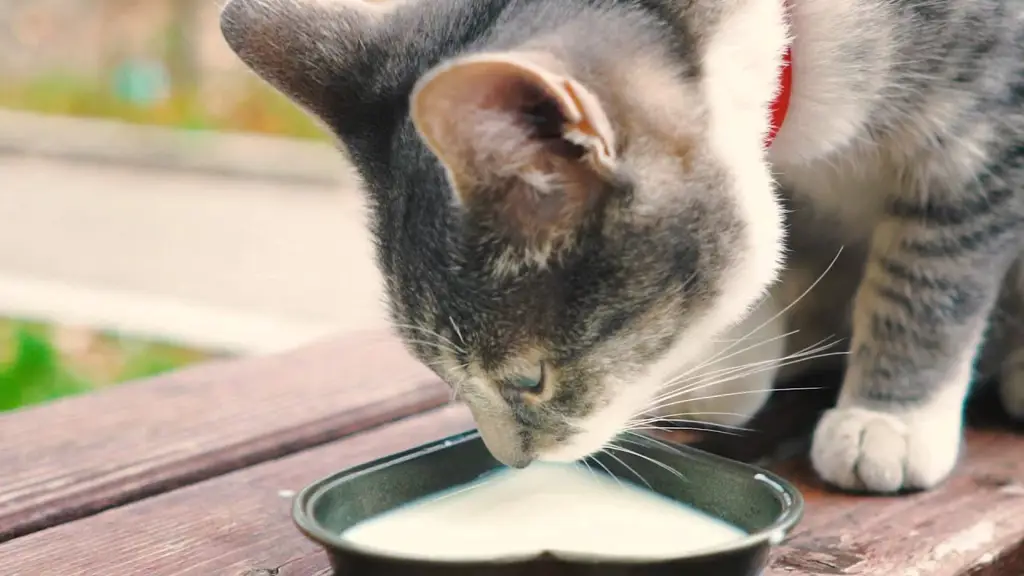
column 930, row 281
column 1010, row 317
column 1011, row 385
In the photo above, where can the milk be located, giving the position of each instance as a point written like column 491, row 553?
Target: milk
column 543, row 508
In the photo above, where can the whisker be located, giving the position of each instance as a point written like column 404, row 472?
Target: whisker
column 648, row 438
column 633, row 426
column 457, row 331
column 659, row 403
column 687, row 428
column 819, row 346
column 729, row 394
column 734, row 377
column 745, row 370
column 780, row 312
column 438, row 365
column 601, row 464
column 650, row 419
column 456, row 389
column 584, row 462
column 436, row 345
column 670, row 469
column 628, row 467
column 719, row 376
column 430, row 333
column 676, row 379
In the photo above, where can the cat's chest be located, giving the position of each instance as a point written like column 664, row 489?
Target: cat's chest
column 838, row 198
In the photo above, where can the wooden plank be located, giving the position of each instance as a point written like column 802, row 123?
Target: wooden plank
column 973, row 523
column 79, row 456
column 234, row 525
column 1011, row 563
column 239, row 524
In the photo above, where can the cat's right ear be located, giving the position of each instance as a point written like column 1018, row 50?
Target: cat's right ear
column 528, row 149
column 304, row 47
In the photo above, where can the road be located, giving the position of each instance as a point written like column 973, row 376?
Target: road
column 297, row 253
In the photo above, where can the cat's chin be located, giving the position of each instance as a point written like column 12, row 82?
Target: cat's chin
column 577, row 448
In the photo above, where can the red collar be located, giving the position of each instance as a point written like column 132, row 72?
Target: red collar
column 780, row 106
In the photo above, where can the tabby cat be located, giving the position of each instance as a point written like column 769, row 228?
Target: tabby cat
column 579, row 221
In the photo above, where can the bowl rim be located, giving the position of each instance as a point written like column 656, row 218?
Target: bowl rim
column 788, row 496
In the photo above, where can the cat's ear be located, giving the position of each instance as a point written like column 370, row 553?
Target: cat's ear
column 532, row 146
column 305, row 48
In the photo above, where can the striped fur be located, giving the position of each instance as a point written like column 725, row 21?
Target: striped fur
column 598, row 209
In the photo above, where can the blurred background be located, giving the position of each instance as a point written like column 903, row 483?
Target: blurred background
column 159, row 205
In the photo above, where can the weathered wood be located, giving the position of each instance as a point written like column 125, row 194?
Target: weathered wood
column 79, row 456
column 973, row 525
column 237, row 524
column 1010, row 563
column 973, row 520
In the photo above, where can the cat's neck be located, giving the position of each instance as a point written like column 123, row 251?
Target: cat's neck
column 839, row 62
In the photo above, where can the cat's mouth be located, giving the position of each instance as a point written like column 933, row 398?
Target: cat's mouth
column 517, row 446
column 593, row 434
column 578, row 447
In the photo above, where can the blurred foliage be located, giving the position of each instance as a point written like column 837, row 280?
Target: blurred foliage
column 39, row 363
column 34, row 374
column 261, row 109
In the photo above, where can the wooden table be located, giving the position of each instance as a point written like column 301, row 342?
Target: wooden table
column 193, row 473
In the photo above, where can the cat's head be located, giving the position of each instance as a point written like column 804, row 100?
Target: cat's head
column 569, row 197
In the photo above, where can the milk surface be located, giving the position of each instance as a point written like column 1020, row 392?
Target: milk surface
column 543, row 508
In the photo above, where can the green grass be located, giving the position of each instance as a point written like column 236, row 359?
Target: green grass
column 40, row 362
column 34, row 367
column 261, row 109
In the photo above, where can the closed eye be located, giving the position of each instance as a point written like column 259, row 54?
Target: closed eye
column 532, row 383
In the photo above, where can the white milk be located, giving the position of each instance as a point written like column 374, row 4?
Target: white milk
column 543, row 508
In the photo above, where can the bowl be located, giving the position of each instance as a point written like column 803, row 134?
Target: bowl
column 764, row 505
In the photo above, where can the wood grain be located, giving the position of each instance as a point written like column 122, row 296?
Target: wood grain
column 974, row 524
column 81, row 455
column 237, row 524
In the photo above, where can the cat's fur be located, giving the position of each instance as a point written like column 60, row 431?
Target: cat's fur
column 583, row 184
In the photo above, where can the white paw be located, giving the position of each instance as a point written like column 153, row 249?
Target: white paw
column 860, row 449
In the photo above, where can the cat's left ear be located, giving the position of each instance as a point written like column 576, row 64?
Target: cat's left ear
column 499, row 116
column 318, row 52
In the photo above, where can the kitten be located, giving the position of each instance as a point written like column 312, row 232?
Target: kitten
column 574, row 205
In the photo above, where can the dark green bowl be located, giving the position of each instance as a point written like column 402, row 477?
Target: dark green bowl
column 764, row 505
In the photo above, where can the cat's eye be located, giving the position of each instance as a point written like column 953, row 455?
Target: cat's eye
column 531, row 381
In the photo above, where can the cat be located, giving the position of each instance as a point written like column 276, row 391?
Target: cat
column 575, row 208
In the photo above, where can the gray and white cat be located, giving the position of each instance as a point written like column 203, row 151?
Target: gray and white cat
column 574, row 207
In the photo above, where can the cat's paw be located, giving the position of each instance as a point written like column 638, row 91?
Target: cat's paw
column 860, row 449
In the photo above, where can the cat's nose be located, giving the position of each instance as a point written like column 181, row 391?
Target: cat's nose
column 504, row 440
